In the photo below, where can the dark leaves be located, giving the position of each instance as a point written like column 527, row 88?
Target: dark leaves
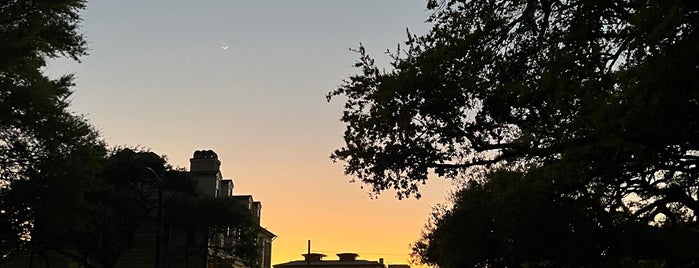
column 600, row 97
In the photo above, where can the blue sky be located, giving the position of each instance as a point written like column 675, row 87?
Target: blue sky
column 157, row 77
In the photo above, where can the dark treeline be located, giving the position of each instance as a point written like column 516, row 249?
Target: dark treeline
column 62, row 190
column 573, row 124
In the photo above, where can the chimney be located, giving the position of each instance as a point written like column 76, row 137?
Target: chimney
column 204, row 161
column 204, row 169
column 380, row 260
column 257, row 211
column 347, row 256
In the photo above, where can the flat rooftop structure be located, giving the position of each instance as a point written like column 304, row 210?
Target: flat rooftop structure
column 346, row 260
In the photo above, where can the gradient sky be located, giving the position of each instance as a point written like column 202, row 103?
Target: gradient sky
column 157, row 77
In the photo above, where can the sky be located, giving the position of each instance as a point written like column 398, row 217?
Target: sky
column 158, row 77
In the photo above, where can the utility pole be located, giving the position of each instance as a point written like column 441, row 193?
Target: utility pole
column 309, row 253
column 158, row 219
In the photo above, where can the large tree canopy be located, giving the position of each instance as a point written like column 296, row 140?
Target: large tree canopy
column 600, row 98
column 48, row 155
column 126, row 200
column 60, row 189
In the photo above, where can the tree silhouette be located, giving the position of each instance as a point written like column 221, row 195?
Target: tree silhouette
column 127, row 200
column 61, row 190
column 48, row 155
column 593, row 103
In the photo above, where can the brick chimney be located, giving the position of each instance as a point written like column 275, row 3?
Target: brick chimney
column 204, row 168
column 204, row 161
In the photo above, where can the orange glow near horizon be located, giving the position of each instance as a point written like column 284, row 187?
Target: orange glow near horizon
column 156, row 77
column 321, row 205
column 337, row 216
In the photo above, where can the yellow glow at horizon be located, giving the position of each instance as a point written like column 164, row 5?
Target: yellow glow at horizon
column 337, row 216
column 155, row 78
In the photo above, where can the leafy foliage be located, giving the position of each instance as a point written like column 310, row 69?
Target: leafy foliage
column 600, row 97
column 122, row 201
column 223, row 221
column 127, row 200
column 515, row 219
column 60, row 189
column 48, row 156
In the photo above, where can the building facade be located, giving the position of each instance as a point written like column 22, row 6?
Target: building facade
column 187, row 248
column 205, row 170
column 161, row 244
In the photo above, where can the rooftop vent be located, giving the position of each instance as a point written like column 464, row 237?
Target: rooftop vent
column 347, row 256
column 313, row 256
